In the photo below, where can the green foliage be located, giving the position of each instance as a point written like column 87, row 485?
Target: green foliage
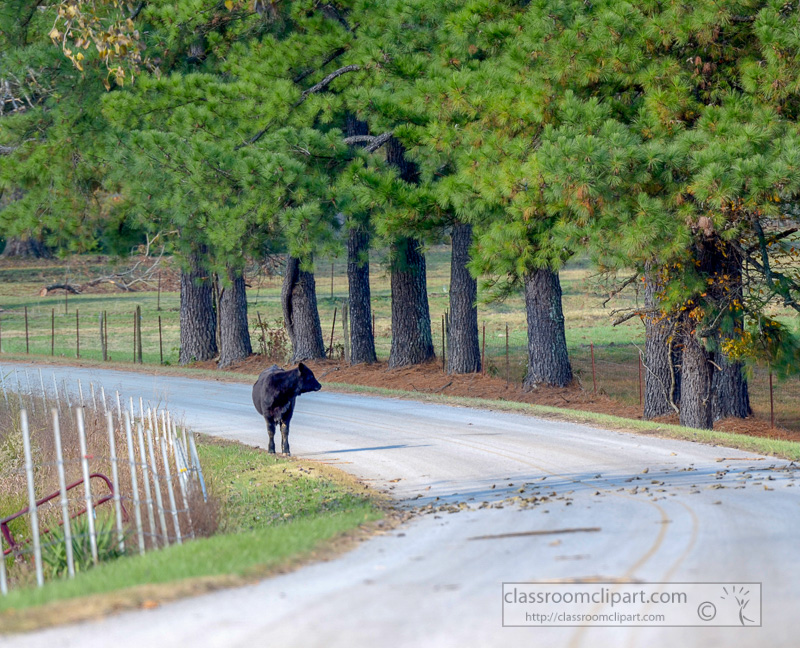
column 54, row 550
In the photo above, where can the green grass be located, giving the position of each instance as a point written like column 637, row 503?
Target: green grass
column 274, row 512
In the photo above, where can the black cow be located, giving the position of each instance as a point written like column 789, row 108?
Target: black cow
column 274, row 394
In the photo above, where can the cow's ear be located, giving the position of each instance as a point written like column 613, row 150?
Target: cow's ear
column 302, row 368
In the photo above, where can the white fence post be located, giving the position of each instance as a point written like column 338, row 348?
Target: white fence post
column 94, row 400
column 44, row 393
column 196, row 461
column 80, row 391
column 55, row 387
column 62, row 486
column 146, row 477
column 3, row 579
column 119, row 406
column 171, row 492
column 137, row 513
column 87, row 484
column 32, row 509
column 30, row 391
column 112, row 447
column 157, row 487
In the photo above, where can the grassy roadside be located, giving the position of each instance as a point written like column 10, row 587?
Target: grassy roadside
column 276, row 514
column 774, row 447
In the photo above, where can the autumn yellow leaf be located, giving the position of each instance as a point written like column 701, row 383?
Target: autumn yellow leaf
column 229, row 4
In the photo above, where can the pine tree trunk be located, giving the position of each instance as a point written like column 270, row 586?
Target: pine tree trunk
column 24, row 248
column 362, row 342
column 234, row 330
column 731, row 396
column 300, row 314
column 198, row 320
column 696, row 380
column 662, row 374
column 548, row 361
column 412, row 342
column 463, row 349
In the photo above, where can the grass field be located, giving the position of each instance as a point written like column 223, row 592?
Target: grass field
column 274, row 514
column 588, row 322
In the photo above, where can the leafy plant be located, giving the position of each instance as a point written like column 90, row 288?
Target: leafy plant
column 54, row 552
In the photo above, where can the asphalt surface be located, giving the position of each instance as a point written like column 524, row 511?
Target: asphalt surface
column 650, row 510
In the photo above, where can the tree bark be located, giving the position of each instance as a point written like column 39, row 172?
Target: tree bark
column 198, row 320
column 234, row 329
column 27, row 247
column 300, row 314
column 731, row 396
column 662, row 385
column 412, row 342
column 548, row 361
column 696, row 380
column 463, row 349
column 362, row 340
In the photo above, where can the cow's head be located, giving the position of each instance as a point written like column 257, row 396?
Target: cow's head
column 307, row 382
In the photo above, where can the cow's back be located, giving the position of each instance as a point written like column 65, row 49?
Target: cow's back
column 262, row 390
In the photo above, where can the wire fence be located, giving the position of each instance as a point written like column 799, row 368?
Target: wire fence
column 86, row 477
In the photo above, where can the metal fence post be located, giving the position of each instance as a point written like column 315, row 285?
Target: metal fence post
column 151, row 519
column 157, row 486
column 33, row 510
column 137, row 513
column 62, row 486
column 112, row 449
column 87, row 484
column 171, row 492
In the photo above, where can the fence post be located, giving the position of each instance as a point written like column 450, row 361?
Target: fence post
column 44, row 393
column 171, row 492
column 508, row 364
column 94, row 400
column 30, row 391
column 27, row 342
column 105, row 333
column 134, row 337
column 151, row 518
column 333, row 328
column 331, row 281
column 771, row 403
column 196, row 462
column 55, row 388
column 594, row 380
column 3, row 579
column 157, row 487
column 444, row 368
column 33, row 510
column 640, row 379
column 80, row 391
column 112, row 448
column 103, row 398
column 62, row 486
column 345, row 324
column 158, row 302
column 1, row 335
column 160, row 343
column 87, row 483
column 139, row 331
column 77, row 335
column 52, row 331
column 483, row 351
column 137, row 513
column 119, row 406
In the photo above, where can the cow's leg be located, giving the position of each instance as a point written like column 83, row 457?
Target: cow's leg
column 271, row 432
column 285, row 437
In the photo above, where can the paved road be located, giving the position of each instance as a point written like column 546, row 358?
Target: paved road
column 689, row 518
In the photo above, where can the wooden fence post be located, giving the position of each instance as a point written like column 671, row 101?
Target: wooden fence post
column 52, row 331
column 345, row 325
column 594, row 380
column 27, row 341
column 77, row 334
column 139, row 333
column 483, row 351
column 508, row 363
column 160, row 343
column 333, row 328
column 444, row 366
column 134, row 337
